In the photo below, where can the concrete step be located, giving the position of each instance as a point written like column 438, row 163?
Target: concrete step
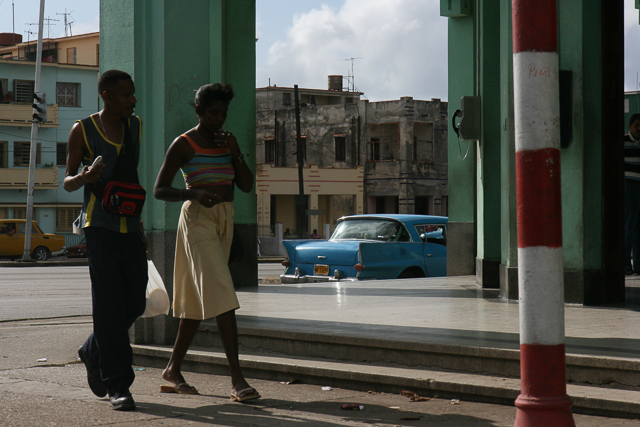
column 587, row 399
column 597, row 384
column 612, row 372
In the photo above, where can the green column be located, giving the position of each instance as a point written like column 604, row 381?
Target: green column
column 461, row 246
column 171, row 48
column 488, row 172
column 508, row 229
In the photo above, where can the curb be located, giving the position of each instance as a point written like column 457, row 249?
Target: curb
column 444, row 384
column 54, row 263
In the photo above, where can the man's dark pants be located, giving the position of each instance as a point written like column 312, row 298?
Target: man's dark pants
column 118, row 268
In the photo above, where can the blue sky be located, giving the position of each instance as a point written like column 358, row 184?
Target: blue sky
column 400, row 46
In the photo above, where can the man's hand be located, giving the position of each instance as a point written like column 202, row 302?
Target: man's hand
column 91, row 174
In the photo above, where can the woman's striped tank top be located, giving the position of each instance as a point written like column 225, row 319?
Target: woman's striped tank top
column 208, row 167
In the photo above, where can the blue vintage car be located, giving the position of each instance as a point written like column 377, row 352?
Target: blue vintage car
column 379, row 246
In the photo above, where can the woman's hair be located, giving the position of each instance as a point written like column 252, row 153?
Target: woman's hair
column 208, row 94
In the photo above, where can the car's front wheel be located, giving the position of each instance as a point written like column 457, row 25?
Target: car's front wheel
column 41, row 253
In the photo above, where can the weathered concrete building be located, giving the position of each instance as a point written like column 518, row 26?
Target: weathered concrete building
column 359, row 156
column 406, row 156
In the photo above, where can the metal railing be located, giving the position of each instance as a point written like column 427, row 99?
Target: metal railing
column 71, row 239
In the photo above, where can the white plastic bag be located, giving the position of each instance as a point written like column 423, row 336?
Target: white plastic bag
column 157, row 298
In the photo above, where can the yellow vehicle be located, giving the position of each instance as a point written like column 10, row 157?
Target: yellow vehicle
column 42, row 245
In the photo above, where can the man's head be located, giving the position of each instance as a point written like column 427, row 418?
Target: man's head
column 634, row 126
column 117, row 91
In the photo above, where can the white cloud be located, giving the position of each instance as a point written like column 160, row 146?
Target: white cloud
column 85, row 27
column 401, row 48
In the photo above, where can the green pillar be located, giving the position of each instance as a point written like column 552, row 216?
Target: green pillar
column 508, row 229
column 171, row 48
column 482, row 187
column 461, row 246
column 489, row 174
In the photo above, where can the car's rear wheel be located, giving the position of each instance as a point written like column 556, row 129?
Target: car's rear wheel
column 41, row 253
column 411, row 273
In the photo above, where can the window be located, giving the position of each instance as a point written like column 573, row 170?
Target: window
column 97, row 54
column 21, row 225
column 269, row 150
column 432, row 233
column 286, row 99
column 3, row 154
column 374, row 149
column 61, row 154
column 340, row 147
column 3, row 90
column 423, row 205
column 23, row 91
column 67, row 94
column 21, row 153
column 348, row 100
column 21, row 213
column 423, row 142
column 71, row 55
column 65, row 218
column 384, row 142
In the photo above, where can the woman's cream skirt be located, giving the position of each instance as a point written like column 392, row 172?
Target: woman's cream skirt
column 202, row 285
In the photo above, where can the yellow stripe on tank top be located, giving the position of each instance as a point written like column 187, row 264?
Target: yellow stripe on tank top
column 123, row 224
column 90, row 206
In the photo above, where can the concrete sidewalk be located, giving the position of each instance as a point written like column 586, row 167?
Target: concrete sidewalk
column 442, row 336
column 54, row 392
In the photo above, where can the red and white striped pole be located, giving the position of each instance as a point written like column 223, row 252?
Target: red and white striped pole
column 543, row 399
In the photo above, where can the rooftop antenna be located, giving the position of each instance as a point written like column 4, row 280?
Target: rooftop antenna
column 352, row 78
column 66, row 21
column 49, row 24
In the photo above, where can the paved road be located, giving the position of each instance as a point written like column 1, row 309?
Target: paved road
column 269, row 270
column 45, row 292
column 37, row 292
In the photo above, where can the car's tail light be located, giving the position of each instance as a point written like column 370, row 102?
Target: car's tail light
column 286, row 263
column 359, row 267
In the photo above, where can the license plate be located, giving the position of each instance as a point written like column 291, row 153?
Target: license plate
column 321, row 269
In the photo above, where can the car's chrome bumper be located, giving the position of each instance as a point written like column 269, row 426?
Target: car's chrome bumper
column 292, row 278
column 62, row 251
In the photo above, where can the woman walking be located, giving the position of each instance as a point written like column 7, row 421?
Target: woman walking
column 211, row 162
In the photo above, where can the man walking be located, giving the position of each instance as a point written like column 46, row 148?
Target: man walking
column 632, row 195
column 107, row 144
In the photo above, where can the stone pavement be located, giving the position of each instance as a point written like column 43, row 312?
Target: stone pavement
column 54, row 393
column 419, row 314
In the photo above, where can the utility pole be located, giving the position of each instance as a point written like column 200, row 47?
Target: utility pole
column 300, row 207
column 37, row 99
column 543, row 400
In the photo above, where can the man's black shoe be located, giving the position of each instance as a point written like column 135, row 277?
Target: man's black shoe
column 122, row 401
column 93, row 376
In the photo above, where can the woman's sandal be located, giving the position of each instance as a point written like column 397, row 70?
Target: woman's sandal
column 182, row 388
column 245, row 394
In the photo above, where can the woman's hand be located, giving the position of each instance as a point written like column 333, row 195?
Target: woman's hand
column 226, row 139
column 206, row 198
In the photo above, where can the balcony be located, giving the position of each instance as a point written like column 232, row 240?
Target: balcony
column 18, row 178
column 22, row 115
